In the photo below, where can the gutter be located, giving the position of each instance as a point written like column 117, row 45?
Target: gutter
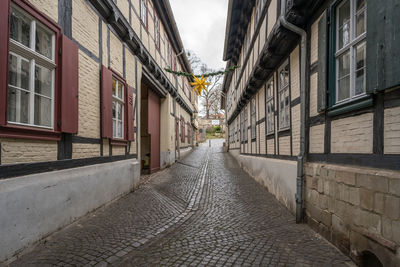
column 301, row 156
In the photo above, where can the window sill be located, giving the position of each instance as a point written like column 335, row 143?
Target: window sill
column 118, row 142
column 351, row 105
column 270, row 134
column 282, row 130
column 24, row 132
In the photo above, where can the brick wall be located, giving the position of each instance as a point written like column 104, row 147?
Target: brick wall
column 352, row 135
column 24, row 151
column 392, row 130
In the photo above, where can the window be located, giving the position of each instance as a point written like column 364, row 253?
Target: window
column 118, row 109
column 242, row 127
column 270, row 116
column 188, row 133
column 253, row 118
column 283, row 97
column 237, row 131
column 143, row 12
column 169, row 56
column 182, row 130
column 245, row 131
column 350, row 52
column 157, row 31
column 31, row 71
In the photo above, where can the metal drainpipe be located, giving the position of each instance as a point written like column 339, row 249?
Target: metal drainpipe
column 301, row 156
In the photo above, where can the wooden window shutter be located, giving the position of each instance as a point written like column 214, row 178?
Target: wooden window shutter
column 131, row 115
column 4, row 43
column 69, row 86
column 383, row 42
column 322, row 62
column 106, row 102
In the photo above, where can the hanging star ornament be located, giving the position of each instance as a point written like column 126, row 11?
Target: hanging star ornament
column 199, row 84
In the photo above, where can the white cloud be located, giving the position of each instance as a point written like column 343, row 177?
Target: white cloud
column 202, row 28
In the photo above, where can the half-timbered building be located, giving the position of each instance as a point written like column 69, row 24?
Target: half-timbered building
column 314, row 114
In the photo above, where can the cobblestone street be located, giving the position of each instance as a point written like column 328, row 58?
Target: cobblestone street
column 204, row 210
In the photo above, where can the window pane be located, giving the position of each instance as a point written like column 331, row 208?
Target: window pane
column 114, row 87
column 360, row 4
column 344, row 65
column 344, row 88
column 360, row 69
column 25, row 71
column 344, row 13
column 119, row 134
column 360, row 22
column 119, row 113
column 18, row 105
column 19, row 78
column 114, row 110
column 44, row 43
column 20, row 27
column 42, row 111
column 344, row 24
column 120, row 90
column 43, row 81
column 13, row 70
column 114, row 128
column 284, row 77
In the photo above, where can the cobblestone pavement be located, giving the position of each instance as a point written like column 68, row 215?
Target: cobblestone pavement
column 204, row 211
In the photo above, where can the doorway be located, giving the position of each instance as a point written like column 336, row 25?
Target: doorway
column 150, row 129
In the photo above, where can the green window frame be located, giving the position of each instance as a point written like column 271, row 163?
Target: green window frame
column 347, row 57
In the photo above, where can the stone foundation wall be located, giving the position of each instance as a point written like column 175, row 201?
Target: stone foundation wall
column 357, row 209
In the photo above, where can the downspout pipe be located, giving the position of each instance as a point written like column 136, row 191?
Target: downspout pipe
column 301, row 156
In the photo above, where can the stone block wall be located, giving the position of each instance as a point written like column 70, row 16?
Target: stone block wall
column 357, row 209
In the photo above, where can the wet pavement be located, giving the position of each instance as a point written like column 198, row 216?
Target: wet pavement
column 202, row 211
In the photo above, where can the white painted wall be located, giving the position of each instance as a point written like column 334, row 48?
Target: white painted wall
column 34, row 206
column 278, row 176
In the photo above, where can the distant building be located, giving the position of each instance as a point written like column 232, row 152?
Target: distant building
column 313, row 114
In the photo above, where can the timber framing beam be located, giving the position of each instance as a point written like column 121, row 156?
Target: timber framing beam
column 275, row 50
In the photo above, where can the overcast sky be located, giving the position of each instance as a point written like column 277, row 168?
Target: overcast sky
column 201, row 24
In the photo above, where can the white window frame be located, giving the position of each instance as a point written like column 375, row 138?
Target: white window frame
column 351, row 48
column 35, row 59
column 270, row 116
column 285, row 110
column 157, row 36
column 143, row 11
column 253, row 119
column 121, row 101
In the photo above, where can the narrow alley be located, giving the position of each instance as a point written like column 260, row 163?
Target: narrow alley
column 204, row 210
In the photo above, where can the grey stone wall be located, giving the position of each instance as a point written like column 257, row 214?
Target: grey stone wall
column 357, row 209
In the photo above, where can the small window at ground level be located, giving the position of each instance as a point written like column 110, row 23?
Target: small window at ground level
column 31, row 71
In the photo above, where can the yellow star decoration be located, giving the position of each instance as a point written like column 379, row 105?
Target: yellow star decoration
column 199, row 84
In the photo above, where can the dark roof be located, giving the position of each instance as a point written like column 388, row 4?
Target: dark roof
column 239, row 15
